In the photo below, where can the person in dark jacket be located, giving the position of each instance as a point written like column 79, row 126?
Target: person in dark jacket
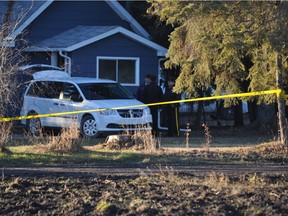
column 140, row 92
column 152, row 93
column 172, row 110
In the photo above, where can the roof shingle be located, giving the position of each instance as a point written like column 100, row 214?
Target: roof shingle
column 71, row 37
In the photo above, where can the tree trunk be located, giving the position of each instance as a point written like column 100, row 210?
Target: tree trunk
column 7, row 17
column 282, row 123
column 197, row 121
column 238, row 114
column 252, row 111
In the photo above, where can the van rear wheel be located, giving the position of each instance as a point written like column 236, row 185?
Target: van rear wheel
column 89, row 127
column 34, row 126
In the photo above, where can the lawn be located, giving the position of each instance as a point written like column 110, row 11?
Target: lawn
column 168, row 154
column 29, row 156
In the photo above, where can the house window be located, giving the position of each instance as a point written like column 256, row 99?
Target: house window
column 122, row 70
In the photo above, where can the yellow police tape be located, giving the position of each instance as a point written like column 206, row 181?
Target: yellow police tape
column 278, row 92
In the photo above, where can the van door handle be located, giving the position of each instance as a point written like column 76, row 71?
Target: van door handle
column 59, row 104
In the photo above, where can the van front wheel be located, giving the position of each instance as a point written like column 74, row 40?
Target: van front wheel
column 89, row 127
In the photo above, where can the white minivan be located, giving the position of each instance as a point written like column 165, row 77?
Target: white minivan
column 54, row 91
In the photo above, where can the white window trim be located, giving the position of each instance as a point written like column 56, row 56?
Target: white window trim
column 137, row 68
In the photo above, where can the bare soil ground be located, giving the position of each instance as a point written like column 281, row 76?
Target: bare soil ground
column 217, row 188
column 164, row 193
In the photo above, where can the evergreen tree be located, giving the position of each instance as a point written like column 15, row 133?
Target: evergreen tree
column 211, row 39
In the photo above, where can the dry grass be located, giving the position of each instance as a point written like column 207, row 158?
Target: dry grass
column 268, row 148
column 271, row 149
column 66, row 142
column 216, row 181
column 208, row 137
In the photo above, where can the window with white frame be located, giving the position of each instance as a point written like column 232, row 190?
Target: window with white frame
column 124, row 70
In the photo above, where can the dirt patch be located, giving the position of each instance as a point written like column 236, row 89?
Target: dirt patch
column 164, row 193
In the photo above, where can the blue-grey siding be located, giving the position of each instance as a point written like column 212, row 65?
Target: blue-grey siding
column 62, row 15
column 85, row 63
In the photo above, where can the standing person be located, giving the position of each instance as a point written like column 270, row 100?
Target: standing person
column 152, row 93
column 172, row 110
column 140, row 92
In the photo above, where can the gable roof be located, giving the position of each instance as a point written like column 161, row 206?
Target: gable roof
column 16, row 8
column 22, row 13
column 34, row 8
column 81, row 36
column 116, row 6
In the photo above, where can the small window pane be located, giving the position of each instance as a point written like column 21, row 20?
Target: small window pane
column 70, row 92
column 53, row 89
column 36, row 90
column 107, row 69
column 45, row 89
column 126, row 71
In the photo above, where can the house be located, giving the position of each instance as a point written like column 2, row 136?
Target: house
column 98, row 39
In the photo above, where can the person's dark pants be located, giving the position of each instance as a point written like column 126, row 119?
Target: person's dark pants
column 154, row 113
column 173, row 120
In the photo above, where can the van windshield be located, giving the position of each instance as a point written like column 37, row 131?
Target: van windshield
column 104, row 91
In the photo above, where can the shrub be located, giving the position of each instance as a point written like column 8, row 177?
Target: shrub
column 10, row 59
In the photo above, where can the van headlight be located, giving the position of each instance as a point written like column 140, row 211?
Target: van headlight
column 104, row 111
column 146, row 111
